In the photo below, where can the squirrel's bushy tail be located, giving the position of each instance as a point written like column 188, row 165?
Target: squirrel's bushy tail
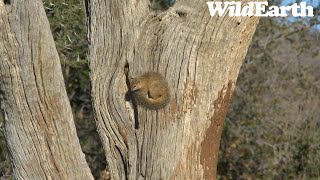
column 150, row 103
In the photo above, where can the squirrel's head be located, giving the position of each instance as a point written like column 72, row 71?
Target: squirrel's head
column 135, row 84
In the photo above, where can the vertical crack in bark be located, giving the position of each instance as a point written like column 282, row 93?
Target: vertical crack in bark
column 129, row 96
column 124, row 163
column 7, row 2
column 88, row 22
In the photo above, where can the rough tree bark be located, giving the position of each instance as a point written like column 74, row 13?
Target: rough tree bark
column 198, row 54
column 39, row 127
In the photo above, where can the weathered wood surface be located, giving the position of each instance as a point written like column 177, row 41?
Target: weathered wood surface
column 39, row 128
column 199, row 55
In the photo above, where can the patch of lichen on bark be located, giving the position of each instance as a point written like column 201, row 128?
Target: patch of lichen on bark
column 210, row 144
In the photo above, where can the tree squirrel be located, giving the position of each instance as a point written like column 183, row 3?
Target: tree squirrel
column 161, row 4
column 150, row 90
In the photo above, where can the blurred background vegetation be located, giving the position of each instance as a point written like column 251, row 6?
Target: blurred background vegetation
column 272, row 130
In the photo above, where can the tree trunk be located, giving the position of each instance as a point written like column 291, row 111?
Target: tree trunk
column 39, row 128
column 199, row 55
